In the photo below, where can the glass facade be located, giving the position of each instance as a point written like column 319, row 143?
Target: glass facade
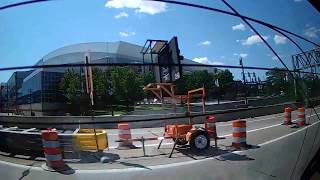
column 51, row 87
column 31, row 90
column 3, row 97
column 42, row 87
column 14, row 84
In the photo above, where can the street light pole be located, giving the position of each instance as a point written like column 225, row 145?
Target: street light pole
column 1, row 99
column 244, row 81
column 30, row 101
column 8, row 99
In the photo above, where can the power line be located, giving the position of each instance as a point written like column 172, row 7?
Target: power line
column 22, row 3
column 275, row 53
column 149, row 64
column 237, row 15
column 185, row 4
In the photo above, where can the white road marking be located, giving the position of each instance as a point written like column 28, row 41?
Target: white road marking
column 281, row 137
column 229, row 124
column 266, row 127
column 222, row 125
column 228, row 135
column 146, row 145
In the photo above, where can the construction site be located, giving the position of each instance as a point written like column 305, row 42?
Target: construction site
column 118, row 110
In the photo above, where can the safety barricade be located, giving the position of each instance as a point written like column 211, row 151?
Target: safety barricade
column 125, row 137
column 239, row 134
column 301, row 117
column 51, row 149
column 287, row 116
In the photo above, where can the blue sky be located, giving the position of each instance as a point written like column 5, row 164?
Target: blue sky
column 30, row 32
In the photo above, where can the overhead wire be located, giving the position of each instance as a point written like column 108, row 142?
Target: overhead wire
column 306, row 95
column 235, row 13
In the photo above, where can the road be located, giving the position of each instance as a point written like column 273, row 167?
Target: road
column 278, row 152
column 255, row 125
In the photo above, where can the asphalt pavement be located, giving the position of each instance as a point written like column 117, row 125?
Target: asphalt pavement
column 275, row 154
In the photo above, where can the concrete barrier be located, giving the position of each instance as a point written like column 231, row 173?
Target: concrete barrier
column 102, row 122
column 30, row 143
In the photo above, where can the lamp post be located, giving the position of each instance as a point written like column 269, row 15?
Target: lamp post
column 1, row 99
column 8, row 99
column 30, row 101
column 244, row 81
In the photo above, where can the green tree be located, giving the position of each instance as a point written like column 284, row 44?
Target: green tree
column 181, row 84
column 146, row 78
column 203, row 78
column 276, row 81
column 196, row 79
column 225, row 79
column 127, row 85
column 70, row 86
column 199, row 79
column 99, row 82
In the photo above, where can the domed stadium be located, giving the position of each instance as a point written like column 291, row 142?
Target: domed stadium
column 38, row 91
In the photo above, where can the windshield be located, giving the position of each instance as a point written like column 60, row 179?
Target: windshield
column 150, row 89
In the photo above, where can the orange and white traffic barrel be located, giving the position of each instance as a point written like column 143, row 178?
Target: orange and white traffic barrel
column 125, row 137
column 51, row 149
column 210, row 126
column 239, row 134
column 287, row 116
column 301, row 117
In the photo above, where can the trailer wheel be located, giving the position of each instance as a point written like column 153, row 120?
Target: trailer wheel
column 180, row 141
column 199, row 140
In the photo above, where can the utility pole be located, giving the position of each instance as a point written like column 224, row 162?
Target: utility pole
column 1, row 98
column 30, row 101
column 8, row 99
column 244, row 81
column 296, row 75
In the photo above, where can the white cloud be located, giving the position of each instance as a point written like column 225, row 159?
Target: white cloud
column 217, row 63
column 205, row 43
column 298, row 0
column 140, row 6
column 312, row 32
column 279, row 39
column 120, row 15
column 239, row 27
column 254, row 39
column 205, row 60
column 276, row 58
column 123, row 34
column 243, row 55
column 202, row 60
column 127, row 34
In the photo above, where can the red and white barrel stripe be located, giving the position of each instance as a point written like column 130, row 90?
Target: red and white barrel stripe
column 287, row 116
column 210, row 126
column 301, row 117
column 125, row 136
column 51, row 148
column 239, row 134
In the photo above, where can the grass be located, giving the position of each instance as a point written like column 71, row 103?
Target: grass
column 104, row 112
column 121, row 110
